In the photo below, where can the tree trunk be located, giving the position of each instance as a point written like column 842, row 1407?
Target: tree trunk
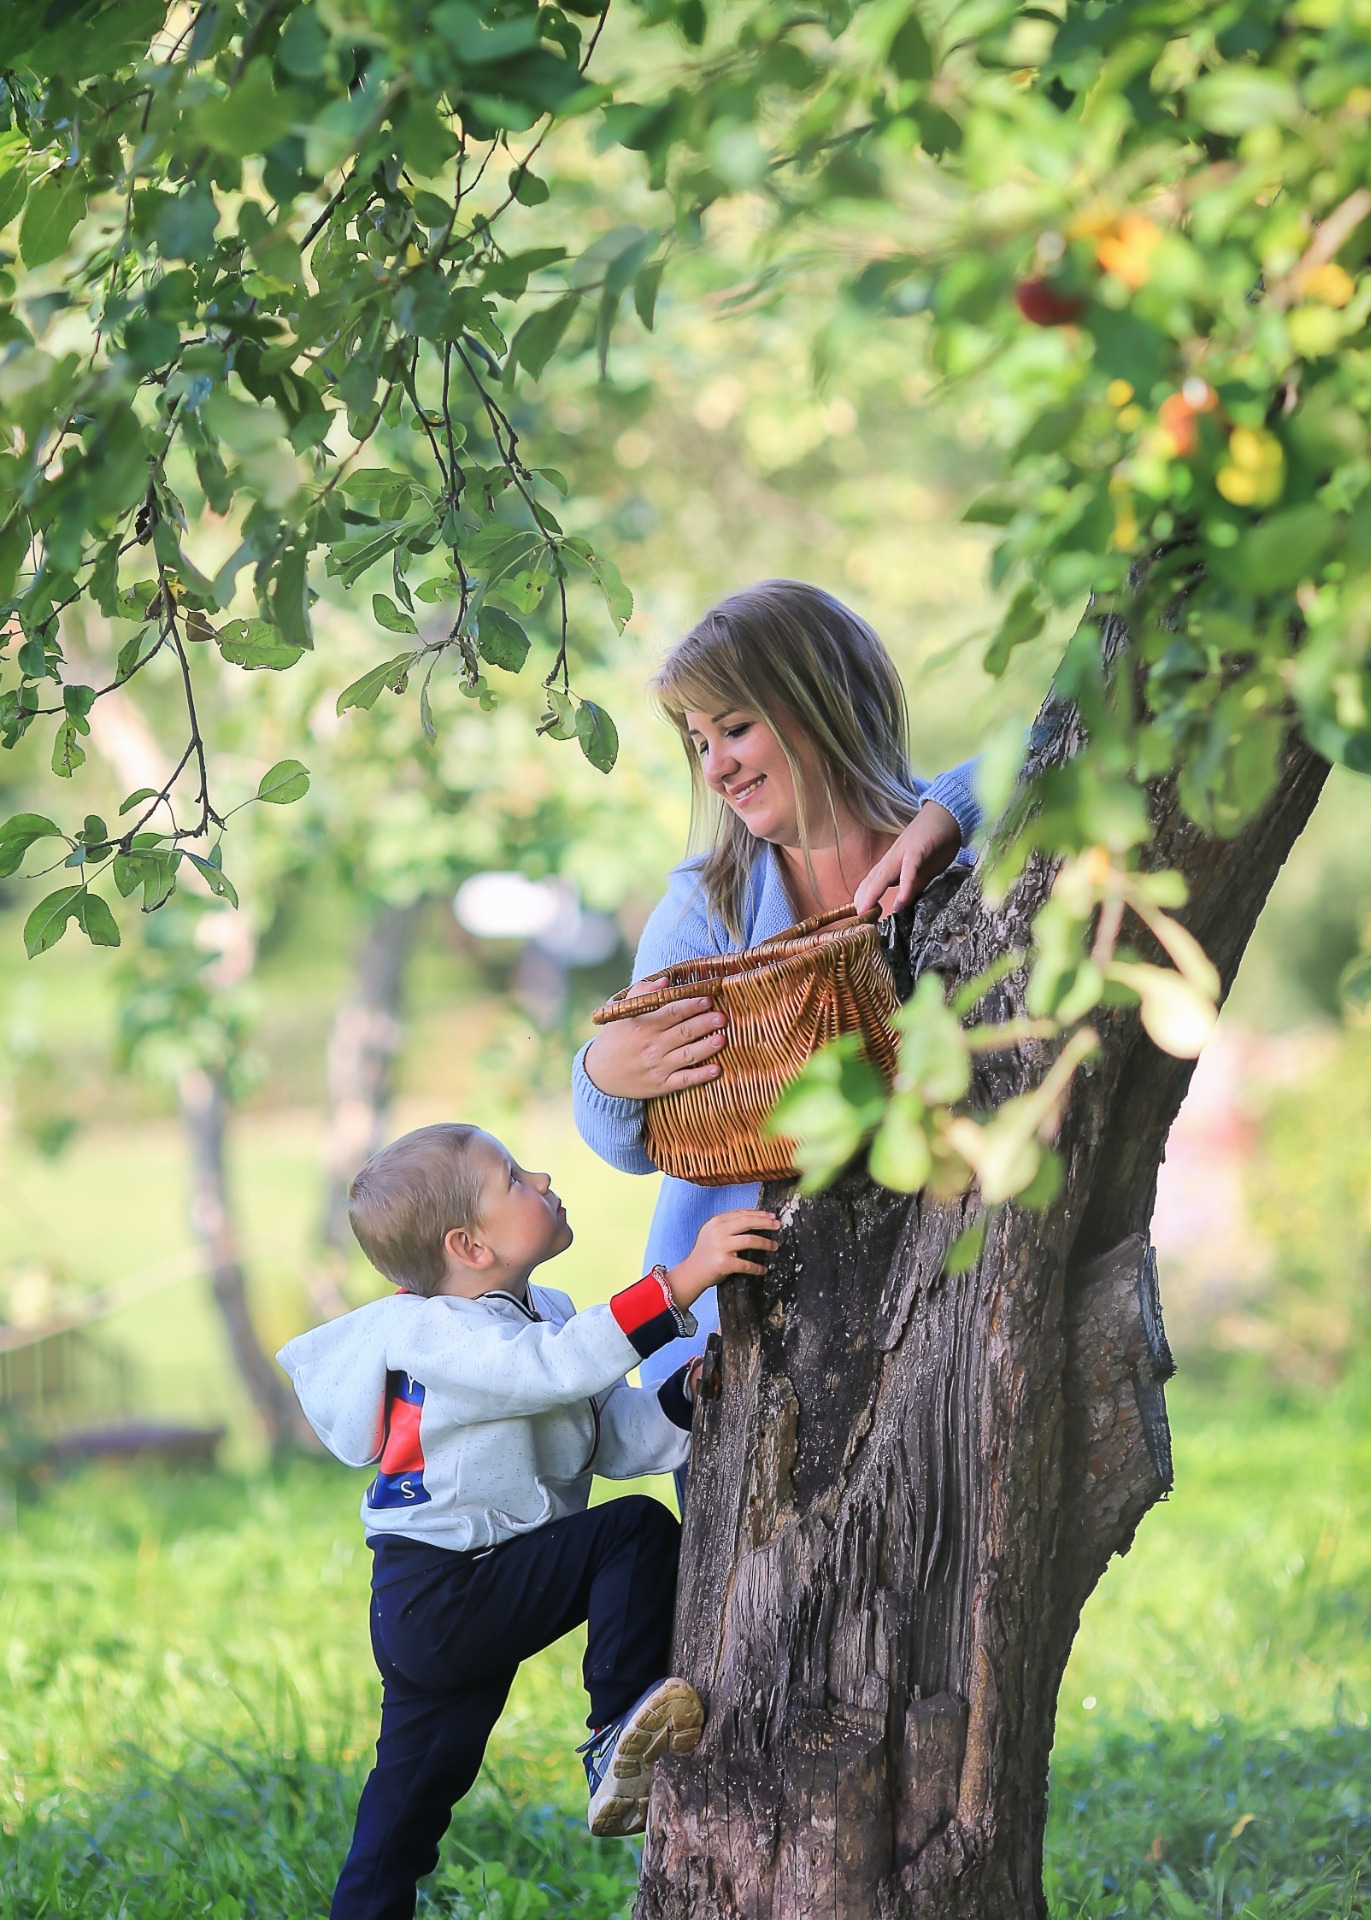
column 362, row 1044
column 204, row 1108
column 910, row 1480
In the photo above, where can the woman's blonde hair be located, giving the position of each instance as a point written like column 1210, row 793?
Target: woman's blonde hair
column 816, row 674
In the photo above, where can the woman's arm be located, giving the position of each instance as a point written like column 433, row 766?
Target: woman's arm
column 930, row 842
column 956, row 790
column 947, row 818
column 611, row 1127
column 633, row 1060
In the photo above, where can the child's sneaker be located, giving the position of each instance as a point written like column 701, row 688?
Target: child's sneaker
column 619, row 1758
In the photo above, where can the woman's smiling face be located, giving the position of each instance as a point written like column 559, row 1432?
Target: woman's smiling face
column 744, row 762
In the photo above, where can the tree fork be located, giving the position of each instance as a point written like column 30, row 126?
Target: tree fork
column 909, row 1481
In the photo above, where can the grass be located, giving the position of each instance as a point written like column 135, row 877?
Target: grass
column 189, row 1702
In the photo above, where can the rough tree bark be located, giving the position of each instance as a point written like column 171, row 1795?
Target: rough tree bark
column 204, row 1108
column 362, row 1044
column 910, row 1481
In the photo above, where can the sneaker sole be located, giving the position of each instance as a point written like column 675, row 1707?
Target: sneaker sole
column 670, row 1721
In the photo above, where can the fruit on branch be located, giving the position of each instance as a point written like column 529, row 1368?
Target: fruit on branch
column 1045, row 303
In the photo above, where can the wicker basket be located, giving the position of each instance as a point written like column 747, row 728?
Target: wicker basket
column 783, row 999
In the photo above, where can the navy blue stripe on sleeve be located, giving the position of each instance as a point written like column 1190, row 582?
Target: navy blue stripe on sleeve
column 672, row 1396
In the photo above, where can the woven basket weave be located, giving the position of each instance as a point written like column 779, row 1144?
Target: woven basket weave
column 783, row 999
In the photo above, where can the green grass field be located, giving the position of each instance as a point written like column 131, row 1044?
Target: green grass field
column 188, row 1700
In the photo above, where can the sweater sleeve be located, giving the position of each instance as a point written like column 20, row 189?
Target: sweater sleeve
column 956, row 790
column 677, row 929
column 610, row 1126
column 500, row 1368
column 637, row 1435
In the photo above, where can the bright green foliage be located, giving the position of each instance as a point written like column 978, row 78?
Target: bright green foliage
column 271, row 242
column 1133, row 235
column 1142, row 249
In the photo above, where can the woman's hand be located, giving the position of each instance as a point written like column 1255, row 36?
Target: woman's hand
column 656, row 1053
column 722, row 1247
column 930, row 842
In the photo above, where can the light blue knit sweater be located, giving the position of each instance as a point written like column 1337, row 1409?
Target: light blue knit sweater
column 682, row 928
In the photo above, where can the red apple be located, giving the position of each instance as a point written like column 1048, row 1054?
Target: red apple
column 1046, row 305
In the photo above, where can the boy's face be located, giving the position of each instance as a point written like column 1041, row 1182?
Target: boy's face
column 522, row 1220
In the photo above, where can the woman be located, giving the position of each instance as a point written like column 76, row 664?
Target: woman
column 794, row 720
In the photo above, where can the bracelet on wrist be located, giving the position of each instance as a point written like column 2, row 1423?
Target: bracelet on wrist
column 686, row 1323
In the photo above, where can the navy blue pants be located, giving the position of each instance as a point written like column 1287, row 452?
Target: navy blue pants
column 449, row 1631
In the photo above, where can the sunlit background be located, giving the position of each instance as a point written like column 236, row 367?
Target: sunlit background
column 201, row 1634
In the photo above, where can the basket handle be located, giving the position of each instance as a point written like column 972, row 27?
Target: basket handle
column 827, row 918
column 627, row 1006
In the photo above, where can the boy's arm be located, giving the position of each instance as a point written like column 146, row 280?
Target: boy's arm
column 495, row 1369
column 503, row 1370
column 644, row 1429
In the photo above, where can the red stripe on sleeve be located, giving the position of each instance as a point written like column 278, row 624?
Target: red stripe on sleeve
column 638, row 1304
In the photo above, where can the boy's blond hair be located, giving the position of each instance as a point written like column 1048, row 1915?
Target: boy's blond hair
column 409, row 1197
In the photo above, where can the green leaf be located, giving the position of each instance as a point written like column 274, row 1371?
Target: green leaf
column 249, row 118
column 559, row 722
column 213, row 875
column 137, row 799
column 151, row 868
column 1024, row 621
column 618, row 599
column 527, row 188
column 645, row 290
column 598, row 736
column 92, row 914
column 365, row 692
column 829, row 1110
column 901, row 1157
column 134, row 653
column 993, row 509
column 48, row 921
column 540, row 335
column 18, row 834
column 186, row 224
column 288, row 780
column 54, row 207
column 256, row 643
column 14, row 186
column 965, row 1250
column 1238, row 98
column 1283, row 550
column 502, row 641
column 67, row 752
column 1046, row 1183
column 14, row 544
column 910, row 54
column 389, row 616
column 290, row 594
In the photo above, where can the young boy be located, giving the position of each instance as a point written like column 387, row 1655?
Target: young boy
column 488, row 1404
